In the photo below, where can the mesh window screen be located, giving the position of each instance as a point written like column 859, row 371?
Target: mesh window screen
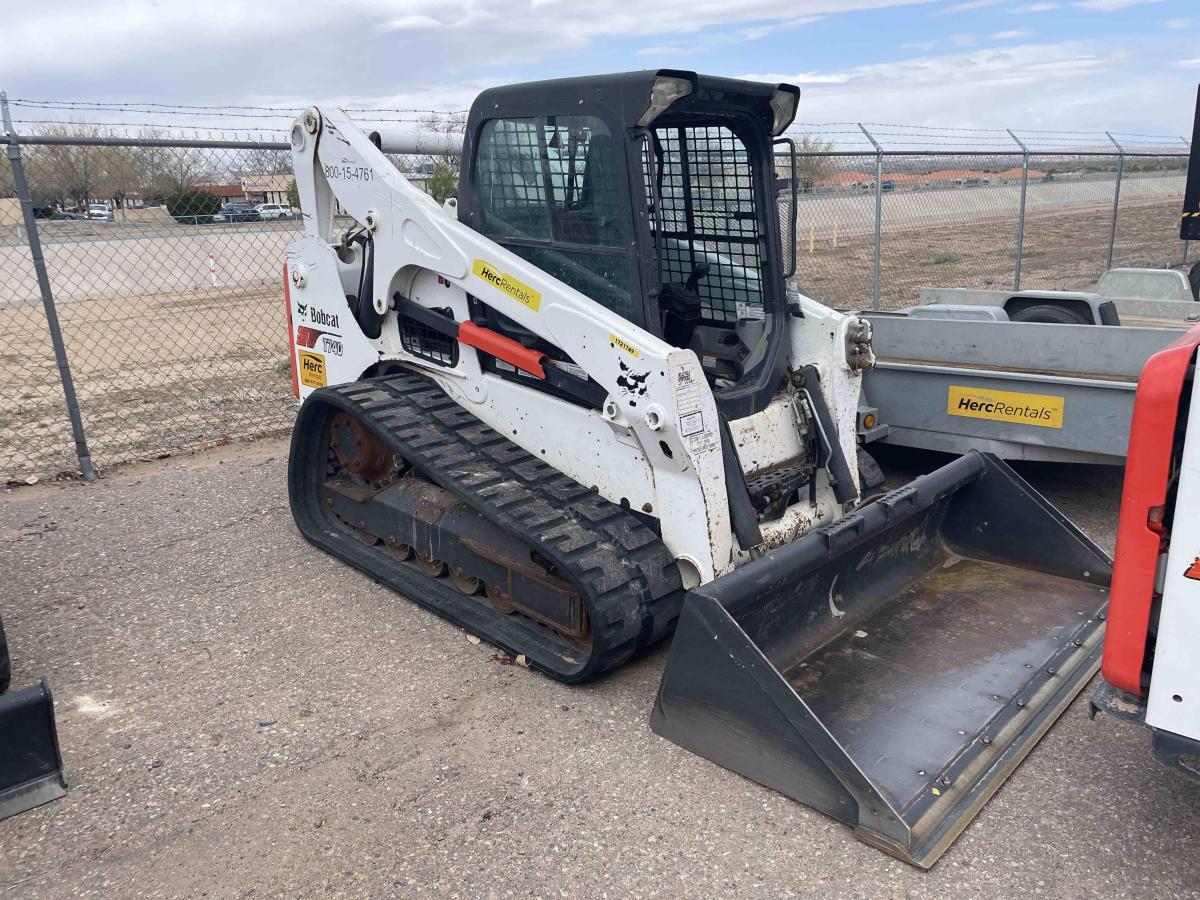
column 509, row 182
column 708, row 216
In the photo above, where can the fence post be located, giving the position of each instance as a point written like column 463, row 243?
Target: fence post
column 1186, row 244
column 1021, row 212
column 878, row 214
column 39, row 267
column 1112, row 234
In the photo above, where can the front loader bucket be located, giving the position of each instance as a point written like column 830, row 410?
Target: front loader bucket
column 30, row 763
column 893, row 668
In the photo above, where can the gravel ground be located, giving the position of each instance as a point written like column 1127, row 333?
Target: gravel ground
column 242, row 716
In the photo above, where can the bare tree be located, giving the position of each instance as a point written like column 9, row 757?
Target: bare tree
column 7, row 189
column 73, row 172
column 169, row 170
column 260, row 161
column 811, row 169
column 442, row 170
column 120, row 174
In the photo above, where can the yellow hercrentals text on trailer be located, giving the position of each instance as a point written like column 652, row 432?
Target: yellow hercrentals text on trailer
column 1044, row 410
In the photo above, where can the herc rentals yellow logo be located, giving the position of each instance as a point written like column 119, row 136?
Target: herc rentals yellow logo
column 1006, row 406
column 312, row 369
column 520, row 292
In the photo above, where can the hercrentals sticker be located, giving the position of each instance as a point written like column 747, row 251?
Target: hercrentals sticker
column 519, row 291
column 1006, row 406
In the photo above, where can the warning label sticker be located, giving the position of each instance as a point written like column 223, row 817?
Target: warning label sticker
column 519, row 291
column 1044, row 410
column 312, row 369
column 699, row 435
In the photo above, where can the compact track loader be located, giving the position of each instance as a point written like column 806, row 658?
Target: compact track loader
column 581, row 401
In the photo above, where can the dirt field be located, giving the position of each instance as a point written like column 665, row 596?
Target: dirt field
column 153, row 374
column 163, row 361
column 1063, row 250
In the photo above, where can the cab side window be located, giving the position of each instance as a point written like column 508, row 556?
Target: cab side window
column 548, row 190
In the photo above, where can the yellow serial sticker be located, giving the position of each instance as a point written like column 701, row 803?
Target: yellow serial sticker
column 312, row 369
column 1006, row 406
column 519, row 291
column 624, row 345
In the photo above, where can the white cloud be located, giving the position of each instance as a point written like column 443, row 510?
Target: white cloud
column 1035, row 8
column 408, row 23
column 1188, row 63
column 968, row 6
column 167, row 49
column 962, row 40
column 714, row 39
column 1031, row 86
column 1181, row 24
column 1012, row 34
column 1111, row 5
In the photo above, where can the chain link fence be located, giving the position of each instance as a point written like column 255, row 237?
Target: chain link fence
column 171, row 306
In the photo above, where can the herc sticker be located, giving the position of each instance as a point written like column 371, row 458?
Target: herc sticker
column 520, row 292
column 312, row 369
column 1005, row 406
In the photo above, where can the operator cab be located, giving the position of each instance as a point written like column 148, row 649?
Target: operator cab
column 653, row 193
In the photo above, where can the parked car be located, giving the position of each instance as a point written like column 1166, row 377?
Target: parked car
column 268, row 211
column 100, row 212
column 62, row 215
column 237, row 212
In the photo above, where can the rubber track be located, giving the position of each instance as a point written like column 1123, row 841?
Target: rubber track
column 621, row 568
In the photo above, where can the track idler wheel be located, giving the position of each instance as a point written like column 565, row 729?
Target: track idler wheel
column 359, row 450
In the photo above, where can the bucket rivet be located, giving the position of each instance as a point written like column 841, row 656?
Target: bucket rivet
column 1077, row 642
column 997, row 697
column 1052, row 671
column 1099, row 617
column 920, row 771
column 986, row 740
column 1020, row 703
column 946, row 781
column 960, row 731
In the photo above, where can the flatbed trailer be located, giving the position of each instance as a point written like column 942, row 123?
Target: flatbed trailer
column 1022, row 390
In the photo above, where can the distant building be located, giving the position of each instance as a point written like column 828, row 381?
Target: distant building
column 266, row 188
column 229, row 193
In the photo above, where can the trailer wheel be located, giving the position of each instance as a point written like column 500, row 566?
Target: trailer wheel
column 1194, row 280
column 5, row 663
column 1044, row 312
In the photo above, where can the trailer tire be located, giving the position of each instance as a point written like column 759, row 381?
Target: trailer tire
column 1044, row 312
column 5, row 663
column 1194, row 281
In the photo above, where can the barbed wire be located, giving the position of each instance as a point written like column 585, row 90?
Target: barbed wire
column 221, row 120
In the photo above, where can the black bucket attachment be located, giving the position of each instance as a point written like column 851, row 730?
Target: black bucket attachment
column 893, row 668
column 30, row 764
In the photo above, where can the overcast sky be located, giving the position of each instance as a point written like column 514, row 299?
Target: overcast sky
column 1129, row 65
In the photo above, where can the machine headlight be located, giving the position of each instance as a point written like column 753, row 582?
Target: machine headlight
column 665, row 91
column 783, row 104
